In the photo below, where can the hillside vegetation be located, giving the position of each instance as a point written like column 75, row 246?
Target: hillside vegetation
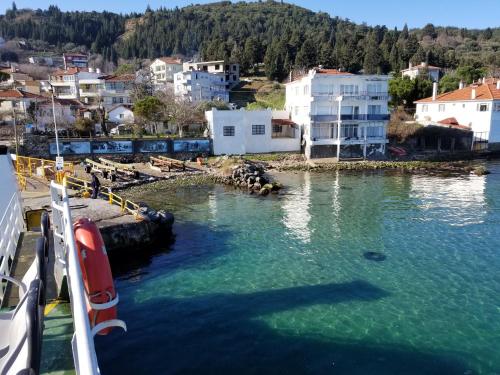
column 283, row 36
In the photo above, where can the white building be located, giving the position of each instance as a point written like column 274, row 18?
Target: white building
column 163, row 70
column 231, row 72
column 198, row 86
column 422, row 70
column 241, row 132
column 66, row 83
column 116, row 89
column 121, row 114
column 92, row 87
column 476, row 106
column 315, row 101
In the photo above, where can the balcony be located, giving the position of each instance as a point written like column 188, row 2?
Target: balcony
column 363, row 95
column 353, row 117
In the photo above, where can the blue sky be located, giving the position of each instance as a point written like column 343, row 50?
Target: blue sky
column 462, row 13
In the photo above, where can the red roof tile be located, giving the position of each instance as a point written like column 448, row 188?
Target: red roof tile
column 170, row 60
column 19, row 94
column 483, row 92
column 332, row 72
column 120, row 78
column 282, row 121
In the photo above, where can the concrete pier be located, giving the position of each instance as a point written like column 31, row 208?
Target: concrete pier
column 120, row 231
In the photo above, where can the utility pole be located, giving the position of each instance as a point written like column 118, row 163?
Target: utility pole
column 15, row 129
column 55, row 122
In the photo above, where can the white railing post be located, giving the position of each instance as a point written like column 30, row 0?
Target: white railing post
column 82, row 343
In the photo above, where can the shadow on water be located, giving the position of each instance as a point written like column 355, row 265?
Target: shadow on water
column 223, row 334
column 182, row 249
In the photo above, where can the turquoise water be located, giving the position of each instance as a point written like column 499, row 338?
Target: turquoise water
column 280, row 285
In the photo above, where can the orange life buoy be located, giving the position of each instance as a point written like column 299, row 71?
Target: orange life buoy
column 96, row 273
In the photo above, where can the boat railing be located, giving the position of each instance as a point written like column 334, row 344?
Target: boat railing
column 11, row 227
column 66, row 256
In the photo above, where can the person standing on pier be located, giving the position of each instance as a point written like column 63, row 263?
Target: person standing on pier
column 95, row 185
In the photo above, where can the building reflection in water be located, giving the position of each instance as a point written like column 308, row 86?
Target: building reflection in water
column 457, row 201
column 296, row 210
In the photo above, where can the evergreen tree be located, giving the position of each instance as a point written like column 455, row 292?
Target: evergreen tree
column 373, row 57
column 307, row 55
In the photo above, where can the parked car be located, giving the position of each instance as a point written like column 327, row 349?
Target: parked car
column 122, row 129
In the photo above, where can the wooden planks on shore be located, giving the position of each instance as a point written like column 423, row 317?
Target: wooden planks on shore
column 164, row 164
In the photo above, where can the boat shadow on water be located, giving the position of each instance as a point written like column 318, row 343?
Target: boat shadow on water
column 224, row 334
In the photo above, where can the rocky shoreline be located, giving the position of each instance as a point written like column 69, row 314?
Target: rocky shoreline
column 414, row 167
column 250, row 176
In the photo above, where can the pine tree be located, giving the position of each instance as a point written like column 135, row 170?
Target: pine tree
column 307, row 55
column 373, row 56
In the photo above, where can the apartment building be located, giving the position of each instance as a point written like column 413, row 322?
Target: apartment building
column 116, row 89
column 91, row 87
column 476, row 106
column 341, row 114
column 231, row 72
column 163, row 70
column 198, row 86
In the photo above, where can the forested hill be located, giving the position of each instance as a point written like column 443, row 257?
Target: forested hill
column 281, row 35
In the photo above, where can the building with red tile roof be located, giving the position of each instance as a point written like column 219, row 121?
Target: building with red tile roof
column 476, row 106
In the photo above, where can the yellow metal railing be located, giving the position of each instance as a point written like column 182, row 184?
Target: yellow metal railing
column 21, row 180
column 27, row 166
column 75, row 183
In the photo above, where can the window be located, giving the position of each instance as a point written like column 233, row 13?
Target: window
column 120, row 99
column 497, row 107
column 234, row 77
column 217, row 66
column 349, row 90
column 121, row 115
column 258, row 129
column 374, row 131
column 374, row 88
column 228, row 131
column 349, row 131
column 425, row 108
column 483, row 107
column 234, row 67
column 374, row 109
column 442, row 107
column 277, row 129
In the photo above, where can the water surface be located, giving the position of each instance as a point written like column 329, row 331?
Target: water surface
column 281, row 286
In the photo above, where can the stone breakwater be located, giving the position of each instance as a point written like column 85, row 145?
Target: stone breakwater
column 416, row 167
column 251, row 177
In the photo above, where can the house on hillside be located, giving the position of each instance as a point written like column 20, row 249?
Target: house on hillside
column 341, row 114
column 75, row 60
column 17, row 102
column 422, row 70
column 116, row 89
column 476, row 106
column 16, row 77
column 66, row 113
column 121, row 114
column 241, row 132
column 163, row 70
column 231, row 72
column 199, row 86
